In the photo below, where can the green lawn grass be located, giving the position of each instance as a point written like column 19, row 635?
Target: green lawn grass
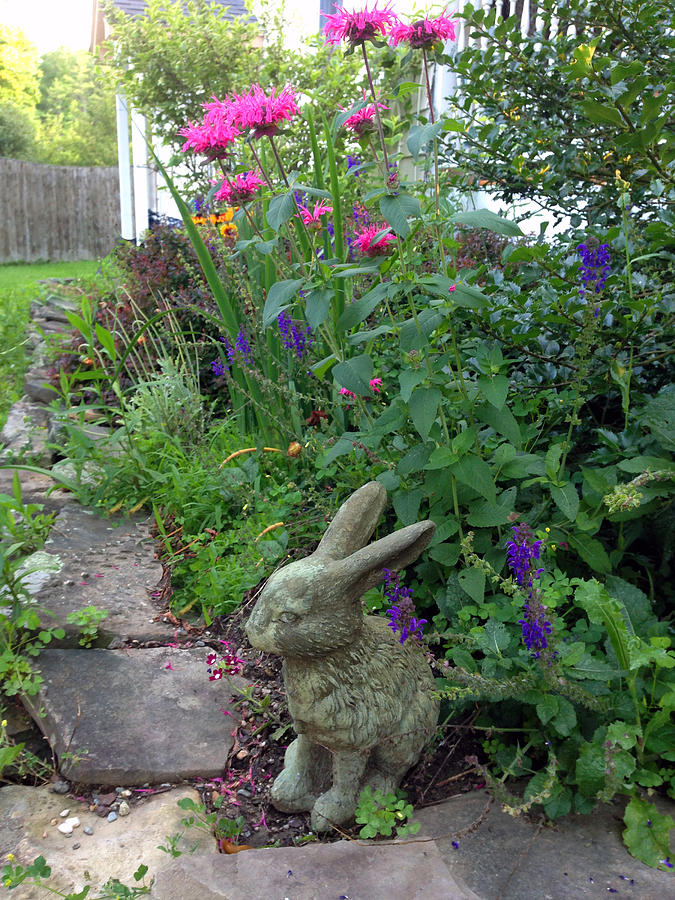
column 18, row 287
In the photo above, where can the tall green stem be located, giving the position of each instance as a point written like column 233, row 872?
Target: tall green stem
column 380, row 129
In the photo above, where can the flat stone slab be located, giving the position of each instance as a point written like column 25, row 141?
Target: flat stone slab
column 350, row 869
column 35, row 488
column 106, row 563
column 134, row 716
column 509, row 858
column 114, row 850
column 25, row 431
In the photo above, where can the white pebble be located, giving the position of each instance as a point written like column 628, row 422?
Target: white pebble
column 64, row 813
column 124, row 809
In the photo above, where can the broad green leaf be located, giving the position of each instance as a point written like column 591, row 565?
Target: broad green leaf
column 593, row 553
column 475, row 472
column 420, row 135
column 566, row 499
column 317, row 307
column 409, row 379
column 647, row 832
column 445, row 554
column 494, row 388
column 483, row 514
column 362, row 337
column 483, row 218
column 359, row 310
column 414, row 460
column 397, row 210
column 523, row 465
column 319, row 369
column 553, row 456
column 559, row 803
column 547, row 708
column 502, row 420
column 472, row 581
column 636, row 605
column 441, row 458
column 354, row 374
column 278, row 298
column 597, row 111
column 468, row 297
column 407, row 505
column 590, row 769
column 414, row 332
column 565, row 719
column 603, row 609
column 106, row 340
column 494, row 637
column 423, row 406
column 280, row 210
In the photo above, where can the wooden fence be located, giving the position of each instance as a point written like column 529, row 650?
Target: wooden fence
column 57, row 212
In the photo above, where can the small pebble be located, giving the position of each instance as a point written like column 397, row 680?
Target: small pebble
column 92, row 807
column 88, row 829
column 165, row 784
column 243, row 792
column 126, row 793
column 76, row 846
column 200, row 644
column 61, row 787
column 64, row 813
column 54, row 822
column 124, row 808
column 242, row 754
column 112, row 816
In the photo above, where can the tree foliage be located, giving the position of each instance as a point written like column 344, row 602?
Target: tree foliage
column 19, row 77
column 552, row 116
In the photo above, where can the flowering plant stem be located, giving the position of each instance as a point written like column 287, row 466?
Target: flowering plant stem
column 380, row 129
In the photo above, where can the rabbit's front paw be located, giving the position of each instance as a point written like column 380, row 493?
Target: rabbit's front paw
column 291, row 792
column 332, row 808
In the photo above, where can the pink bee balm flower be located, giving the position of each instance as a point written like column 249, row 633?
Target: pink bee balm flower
column 240, row 189
column 312, row 218
column 452, row 288
column 347, row 393
column 369, row 244
column 263, row 114
column 375, row 384
column 362, row 122
column 359, row 27
column 423, row 32
column 215, row 133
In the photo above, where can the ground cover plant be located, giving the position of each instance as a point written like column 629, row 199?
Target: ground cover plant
column 513, row 388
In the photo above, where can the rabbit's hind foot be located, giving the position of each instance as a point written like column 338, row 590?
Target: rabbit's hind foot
column 333, row 809
column 306, row 774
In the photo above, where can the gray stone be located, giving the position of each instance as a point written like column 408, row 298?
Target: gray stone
column 128, row 718
column 25, row 432
column 509, row 857
column 35, row 488
column 38, row 386
column 362, row 703
column 124, row 809
column 25, row 814
column 118, row 555
column 112, row 816
column 360, row 871
column 61, row 787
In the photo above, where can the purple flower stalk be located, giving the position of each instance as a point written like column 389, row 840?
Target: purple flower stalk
column 402, row 609
column 294, row 338
column 242, row 346
column 594, row 267
column 352, row 163
column 520, row 552
column 521, row 555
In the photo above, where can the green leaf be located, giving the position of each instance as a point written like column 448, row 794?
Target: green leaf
column 494, row 637
column 468, row 297
column 596, row 111
column 414, row 460
column 407, row 505
column 359, row 310
column 409, row 379
column 472, row 582
column 319, row 369
column 475, row 472
column 547, row 708
column 483, row 218
column 565, row 720
column 441, row 458
column 566, row 499
column 494, row 388
column 647, row 832
column 106, row 340
column 317, row 307
column 601, row 608
column 590, row 769
column 421, row 135
column 593, row 553
column 483, row 514
column 553, row 455
column 423, row 407
column 396, row 211
column 278, row 298
column 354, row 374
column 445, row 554
column 502, row 420
column 280, row 210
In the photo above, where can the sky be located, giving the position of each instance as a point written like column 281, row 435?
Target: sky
column 67, row 23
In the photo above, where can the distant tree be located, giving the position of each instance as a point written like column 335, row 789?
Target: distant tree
column 17, row 131
column 19, row 76
column 76, row 110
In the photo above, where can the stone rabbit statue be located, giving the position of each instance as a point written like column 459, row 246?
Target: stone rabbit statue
column 361, row 702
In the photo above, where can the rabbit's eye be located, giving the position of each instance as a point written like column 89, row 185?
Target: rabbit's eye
column 288, row 618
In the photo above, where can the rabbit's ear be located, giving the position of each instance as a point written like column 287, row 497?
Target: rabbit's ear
column 354, row 522
column 395, row 551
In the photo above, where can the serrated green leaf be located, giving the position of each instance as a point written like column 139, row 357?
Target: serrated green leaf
column 423, row 405
column 407, row 505
column 472, row 581
column 494, row 388
column 590, row 770
column 396, row 211
column 502, row 420
column 593, row 553
column 359, row 310
column 647, row 832
column 565, row 719
column 566, row 499
column 278, row 298
column 414, row 460
column 547, row 708
column 475, row 472
column 494, row 638
column 354, row 374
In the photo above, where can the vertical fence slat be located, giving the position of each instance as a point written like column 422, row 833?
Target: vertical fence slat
column 57, row 212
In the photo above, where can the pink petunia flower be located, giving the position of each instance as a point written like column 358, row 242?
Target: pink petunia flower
column 369, row 244
column 358, row 27
column 240, row 189
column 312, row 218
column 423, row 32
column 260, row 113
column 375, row 384
column 362, row 122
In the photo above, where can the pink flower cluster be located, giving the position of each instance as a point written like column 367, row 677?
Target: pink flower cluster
column 362, row 121
column 368, row 242
column 225, row 120
column 240, row 189
column 357, row 28
column 374, row 384
column 312, row 217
